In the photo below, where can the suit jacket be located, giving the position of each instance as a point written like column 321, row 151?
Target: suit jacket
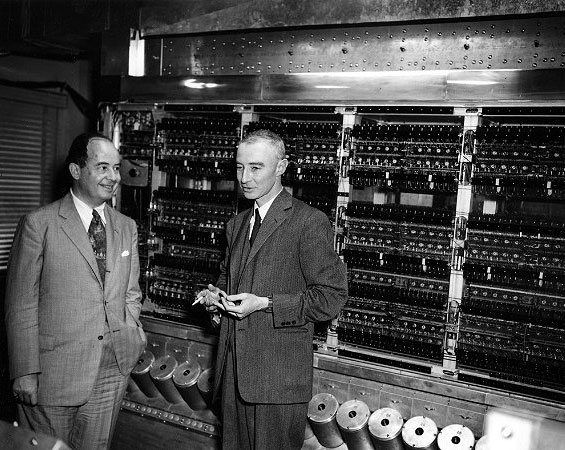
column 57, row 305
column 293, row 260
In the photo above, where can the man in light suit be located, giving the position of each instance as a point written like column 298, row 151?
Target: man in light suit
column 73, row 303
column 274, row 285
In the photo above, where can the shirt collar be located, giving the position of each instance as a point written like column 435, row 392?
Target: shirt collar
column 263, row 209
column 85, row 211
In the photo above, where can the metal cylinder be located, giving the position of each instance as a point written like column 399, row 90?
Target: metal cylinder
column 322, row 410
column 205, row 385
column 185, row 378
column 455, row 437
column 308, row 433
column 484, row 443
column 140, row 374
column 385, row 426
column 162, row 375
column 420, row 433
column 352, row 419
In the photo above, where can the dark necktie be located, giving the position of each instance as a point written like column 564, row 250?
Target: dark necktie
column 97, row 236
column 256, row 226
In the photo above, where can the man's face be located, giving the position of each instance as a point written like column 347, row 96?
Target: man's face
column 97, row 181
column 259, row 171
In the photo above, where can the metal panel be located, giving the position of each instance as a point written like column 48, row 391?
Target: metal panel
column 519, row 43
column 362, row 88
column 512, row 85
column 335, row 384
column 228, row 89
column 356, row 88
column 201, row 16
column 367, row 391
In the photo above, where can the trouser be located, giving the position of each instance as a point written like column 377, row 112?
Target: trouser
column 248, row 426
column 89, row 426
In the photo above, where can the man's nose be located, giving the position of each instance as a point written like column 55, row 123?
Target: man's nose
column 115, row 176
column 244, row 176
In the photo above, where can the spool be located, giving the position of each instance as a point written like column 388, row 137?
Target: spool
column 140, row 374
column 420, row 433
column 352, row 419
column 385, row 426
column 455, row 437
column 322, row 410
column 162, row 375
column 205, row 385
column 185, row 379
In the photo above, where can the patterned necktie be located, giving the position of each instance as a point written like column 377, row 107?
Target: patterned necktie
column 97, row 236
column 256, row 226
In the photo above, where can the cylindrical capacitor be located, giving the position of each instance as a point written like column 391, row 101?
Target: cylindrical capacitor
column 420, row 433
column 140, row 374
column 206, row 385
column 484, row 443
column 352, row 419
column 322, row 410
column 185, row 378
column 162, row 375
column 385, row 426
column 455, row 437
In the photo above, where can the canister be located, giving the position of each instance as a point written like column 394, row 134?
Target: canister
column 455, row 437
column 205, row 384
column 162, row 375
column 322, row 411
column 484, row 443
column 185, row 379
column 308, row 433
column 140, row 374
column 385, row 427
column 420, row 433
column 352, row 419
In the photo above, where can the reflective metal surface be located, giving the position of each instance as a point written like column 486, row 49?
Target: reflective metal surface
column 197, row 16
column 477, row 87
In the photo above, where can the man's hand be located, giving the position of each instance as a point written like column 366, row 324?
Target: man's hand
column 25, row 389
column 241, row 305
column 210, row 298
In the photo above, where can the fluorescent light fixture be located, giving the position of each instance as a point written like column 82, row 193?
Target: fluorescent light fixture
column 136, row 64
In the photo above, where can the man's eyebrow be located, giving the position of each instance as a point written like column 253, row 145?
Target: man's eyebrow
column 251, row 164
column 105, row 163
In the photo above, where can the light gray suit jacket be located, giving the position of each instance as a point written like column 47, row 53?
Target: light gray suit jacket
column 293, row 260
column 56, row 304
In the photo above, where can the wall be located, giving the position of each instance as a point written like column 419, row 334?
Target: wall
column 77, row 75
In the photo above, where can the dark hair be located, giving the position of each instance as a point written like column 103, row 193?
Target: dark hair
column 78, row 152
column 273, row 139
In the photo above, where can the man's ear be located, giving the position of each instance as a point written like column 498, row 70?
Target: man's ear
column 281, row 166
column 74, row 169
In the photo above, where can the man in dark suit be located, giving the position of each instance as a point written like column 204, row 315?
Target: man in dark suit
column 282, row 275
column 73, row 303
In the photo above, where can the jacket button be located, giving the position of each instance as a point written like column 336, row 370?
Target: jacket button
column 100, row 338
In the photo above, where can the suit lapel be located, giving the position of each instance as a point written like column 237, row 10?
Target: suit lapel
column 112, row 239
column 277, row 214
column 72, row 226
column 240, row 249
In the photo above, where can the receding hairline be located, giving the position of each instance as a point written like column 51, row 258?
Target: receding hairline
column 271, row 139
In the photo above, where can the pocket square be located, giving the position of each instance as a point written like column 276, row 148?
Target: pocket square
column 125, row 253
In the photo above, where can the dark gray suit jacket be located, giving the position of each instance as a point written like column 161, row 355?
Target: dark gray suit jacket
column 293, row 260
